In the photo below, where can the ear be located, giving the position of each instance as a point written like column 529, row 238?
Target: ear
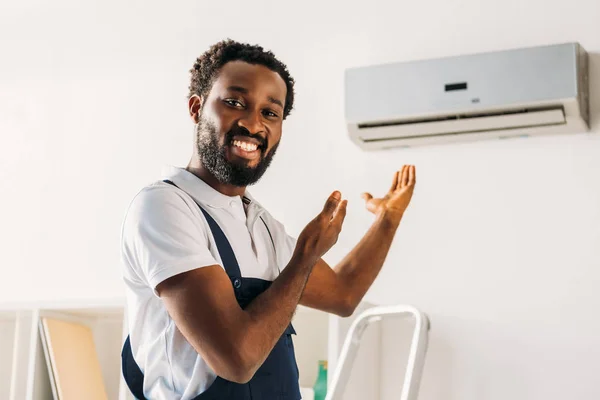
column 195, row 103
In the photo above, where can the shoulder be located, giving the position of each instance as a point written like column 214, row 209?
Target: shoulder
column 284, row 242
column 162, row 209
column 278, row 229
column 271, row 221
column 157, row 198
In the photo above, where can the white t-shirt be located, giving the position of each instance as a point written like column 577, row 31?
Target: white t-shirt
column 164, row 234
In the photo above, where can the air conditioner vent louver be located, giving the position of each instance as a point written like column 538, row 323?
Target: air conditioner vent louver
column 465, row 124
column 456, row 117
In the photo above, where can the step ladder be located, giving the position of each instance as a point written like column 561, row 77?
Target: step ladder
column 416, row 357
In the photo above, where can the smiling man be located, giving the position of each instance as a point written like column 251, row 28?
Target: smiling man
column 212, row 278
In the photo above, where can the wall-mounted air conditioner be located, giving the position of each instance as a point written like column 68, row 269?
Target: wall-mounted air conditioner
column 533, row 91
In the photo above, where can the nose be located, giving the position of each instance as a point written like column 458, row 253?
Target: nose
column 252, row 121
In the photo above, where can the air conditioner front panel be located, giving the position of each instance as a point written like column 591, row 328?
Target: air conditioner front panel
column 452, row 84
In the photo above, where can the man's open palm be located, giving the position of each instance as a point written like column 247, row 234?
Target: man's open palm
column 398, row 197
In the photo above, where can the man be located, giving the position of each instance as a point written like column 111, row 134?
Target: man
column 212, row 278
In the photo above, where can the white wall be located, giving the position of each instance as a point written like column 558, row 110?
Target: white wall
column 7, row 337
column 500, row 247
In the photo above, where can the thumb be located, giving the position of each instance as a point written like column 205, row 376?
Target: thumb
column 366, row 196
column 340, row 214
column 332, row 203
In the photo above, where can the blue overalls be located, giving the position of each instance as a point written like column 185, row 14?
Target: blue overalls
column 276, row 379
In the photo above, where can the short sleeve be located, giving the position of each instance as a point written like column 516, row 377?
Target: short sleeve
column 162, row 237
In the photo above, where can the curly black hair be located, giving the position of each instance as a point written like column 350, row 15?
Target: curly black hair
column 207, row 66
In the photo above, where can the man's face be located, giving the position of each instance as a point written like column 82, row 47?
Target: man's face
column 240, row 123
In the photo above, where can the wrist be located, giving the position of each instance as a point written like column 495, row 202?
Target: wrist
column 389, row 218
column 303, row 259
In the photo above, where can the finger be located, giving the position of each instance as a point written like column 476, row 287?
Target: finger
column 366, row 196
column 412, row 175
column 395, row 181
column 401, row 178
column 400, row 175
column 340, row 214
column 331, row 204
column 405, row 176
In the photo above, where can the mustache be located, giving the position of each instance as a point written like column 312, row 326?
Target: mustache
column 241, row 131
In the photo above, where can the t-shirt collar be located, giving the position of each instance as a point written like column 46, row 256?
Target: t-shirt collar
column 202, row 192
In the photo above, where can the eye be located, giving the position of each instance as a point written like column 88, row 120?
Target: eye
column 270, row 114
column 234, row 103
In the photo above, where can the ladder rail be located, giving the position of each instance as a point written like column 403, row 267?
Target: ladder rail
column 416, row 357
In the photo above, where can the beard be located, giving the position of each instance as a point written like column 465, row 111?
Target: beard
column 213, row 155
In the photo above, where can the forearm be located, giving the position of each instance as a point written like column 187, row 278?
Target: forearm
column 358, row 270
column 233, row 341
column 271, row 312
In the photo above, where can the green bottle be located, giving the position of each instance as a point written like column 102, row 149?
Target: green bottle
column 320, row 387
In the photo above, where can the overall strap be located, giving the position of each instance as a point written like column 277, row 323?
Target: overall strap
column 132, row 374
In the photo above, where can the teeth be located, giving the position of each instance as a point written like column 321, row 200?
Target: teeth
column 245, row 145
